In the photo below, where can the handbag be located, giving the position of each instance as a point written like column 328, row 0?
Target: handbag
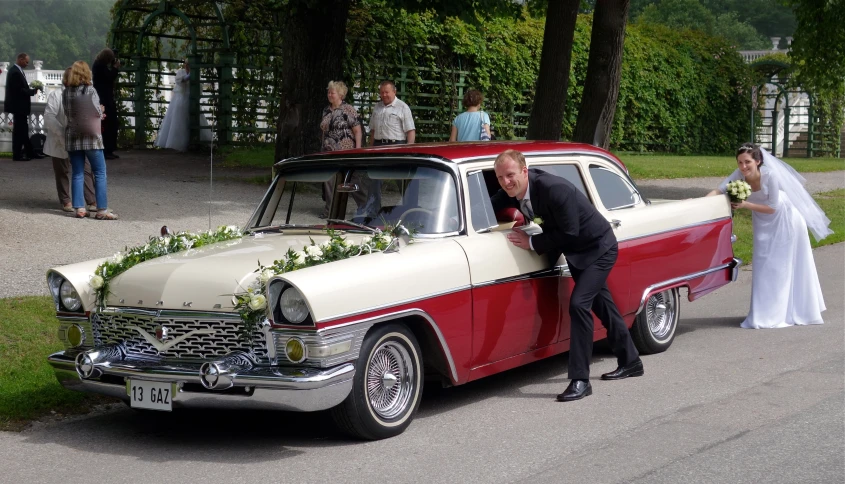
column 85, row 118
column 484, row 136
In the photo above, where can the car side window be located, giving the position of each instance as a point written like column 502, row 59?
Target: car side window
column 481, row 209
column 615, row 192
column 569, row 172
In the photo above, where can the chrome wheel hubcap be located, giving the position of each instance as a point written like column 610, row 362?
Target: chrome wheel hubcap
column 660, row 314
column 390, row 380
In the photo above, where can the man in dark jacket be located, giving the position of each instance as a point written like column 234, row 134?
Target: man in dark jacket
column 18, row 103
column 573, row 227
column 105, row 71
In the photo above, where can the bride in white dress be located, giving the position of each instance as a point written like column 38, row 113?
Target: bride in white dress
column 785, row 288
column 174, row 131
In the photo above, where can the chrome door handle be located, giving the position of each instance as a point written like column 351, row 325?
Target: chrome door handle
column 615, row 223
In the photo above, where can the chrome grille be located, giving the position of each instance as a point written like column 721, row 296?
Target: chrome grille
column 113, row 327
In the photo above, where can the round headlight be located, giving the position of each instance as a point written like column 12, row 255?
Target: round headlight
column 295, row 350
column 69, row 297
column 293, row 306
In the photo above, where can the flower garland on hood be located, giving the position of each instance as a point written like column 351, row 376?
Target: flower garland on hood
column 252, row 304
column 156, row 247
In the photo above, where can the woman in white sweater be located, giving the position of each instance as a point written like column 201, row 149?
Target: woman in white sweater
column 54, row 146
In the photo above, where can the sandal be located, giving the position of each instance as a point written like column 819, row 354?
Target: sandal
column 105, row 215
column 81, row 213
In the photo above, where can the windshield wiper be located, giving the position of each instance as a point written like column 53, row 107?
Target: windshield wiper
column 352, row 224
column 279, row 227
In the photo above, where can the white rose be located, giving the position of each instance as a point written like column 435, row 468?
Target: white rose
column 118, row 258
column 96, row 282
column 299, row 258
column 366, row 240
column 265, row 275
column 733, row 190
column 166, row 240
column 257, row 302
column 314, row 251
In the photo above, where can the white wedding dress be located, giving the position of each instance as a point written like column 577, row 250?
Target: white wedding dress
column 785, row 288
column 174, row 132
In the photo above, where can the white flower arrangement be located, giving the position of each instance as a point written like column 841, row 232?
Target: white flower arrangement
column 738, row 190
column 252, row 304
column 156, row 247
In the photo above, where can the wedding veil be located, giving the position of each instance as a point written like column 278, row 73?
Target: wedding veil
column 792, row 184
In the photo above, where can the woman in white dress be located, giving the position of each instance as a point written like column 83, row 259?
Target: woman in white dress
column 174, row 131
column 785, row 288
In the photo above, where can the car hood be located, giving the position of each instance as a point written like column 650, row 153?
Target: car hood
column 205, row 279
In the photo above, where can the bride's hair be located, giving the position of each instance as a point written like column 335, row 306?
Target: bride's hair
column 756, row 154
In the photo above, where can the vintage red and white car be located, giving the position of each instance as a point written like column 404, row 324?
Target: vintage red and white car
column 359, row 336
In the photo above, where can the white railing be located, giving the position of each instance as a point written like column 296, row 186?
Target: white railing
column 36, row 124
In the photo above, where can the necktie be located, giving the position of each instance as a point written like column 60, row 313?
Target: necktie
column 525, row 207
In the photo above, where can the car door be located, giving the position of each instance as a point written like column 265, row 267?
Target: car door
column 516, row 307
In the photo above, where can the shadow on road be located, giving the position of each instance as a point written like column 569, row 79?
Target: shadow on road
column 690, row 325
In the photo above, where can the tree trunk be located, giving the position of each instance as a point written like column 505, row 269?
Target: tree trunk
column 314, row 41
column 553, row 80
column 604, row 69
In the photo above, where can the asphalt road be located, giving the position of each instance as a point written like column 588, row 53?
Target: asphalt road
column 724, row 404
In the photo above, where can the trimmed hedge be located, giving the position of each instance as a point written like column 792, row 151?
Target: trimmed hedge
column 681, row 91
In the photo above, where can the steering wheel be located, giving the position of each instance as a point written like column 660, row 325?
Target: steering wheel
column 416, row 209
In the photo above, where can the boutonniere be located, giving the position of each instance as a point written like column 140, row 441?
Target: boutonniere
column 538, row 221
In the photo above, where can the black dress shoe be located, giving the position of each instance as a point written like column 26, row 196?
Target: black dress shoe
column 576, row 390
column 634, row 369
column 111, row 156
column 36, row 156
column 24, row 158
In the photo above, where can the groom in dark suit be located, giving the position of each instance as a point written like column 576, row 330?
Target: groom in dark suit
column 573, row 227
column 18, row 103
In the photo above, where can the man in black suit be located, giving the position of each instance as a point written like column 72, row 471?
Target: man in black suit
column 571, row 226
column 18, row 103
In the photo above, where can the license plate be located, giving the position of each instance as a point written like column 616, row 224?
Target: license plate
column 151, row 395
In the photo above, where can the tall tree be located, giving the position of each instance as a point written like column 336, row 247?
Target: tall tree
column 553, row 79
column 314, row 35
column 604, row 70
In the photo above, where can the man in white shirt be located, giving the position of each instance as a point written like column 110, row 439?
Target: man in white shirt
column 391, row 122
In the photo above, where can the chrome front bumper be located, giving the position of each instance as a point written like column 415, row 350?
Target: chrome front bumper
column 245, row 386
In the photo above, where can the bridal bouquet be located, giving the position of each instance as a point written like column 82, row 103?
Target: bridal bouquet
column 738, row 190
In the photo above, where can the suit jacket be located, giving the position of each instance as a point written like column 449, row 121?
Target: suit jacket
column 571, row 224
column 104, row 77
column 17, row 92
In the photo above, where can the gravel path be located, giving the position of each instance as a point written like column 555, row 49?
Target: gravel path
column 149, row 189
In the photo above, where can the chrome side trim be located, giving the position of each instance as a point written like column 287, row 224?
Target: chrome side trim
column 556, row 271
column 689, row 277
column 393, row 304
column 673, row 229
column 369, row 322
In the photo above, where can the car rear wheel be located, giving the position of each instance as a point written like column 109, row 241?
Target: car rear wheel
column 387, row 386
column 654, row 328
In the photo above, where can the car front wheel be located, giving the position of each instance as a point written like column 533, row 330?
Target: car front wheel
column 654, row 328
column 387, row 386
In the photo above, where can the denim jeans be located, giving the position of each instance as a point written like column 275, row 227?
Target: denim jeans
column 98, row 166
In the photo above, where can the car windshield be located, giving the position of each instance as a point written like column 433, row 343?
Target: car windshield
column 422, row 198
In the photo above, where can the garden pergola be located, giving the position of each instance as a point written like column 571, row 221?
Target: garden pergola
column 233, row 52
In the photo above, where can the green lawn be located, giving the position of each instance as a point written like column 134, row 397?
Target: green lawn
column 833, row 204
column 28, row 389
column 676, row 166
column 259, row 156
